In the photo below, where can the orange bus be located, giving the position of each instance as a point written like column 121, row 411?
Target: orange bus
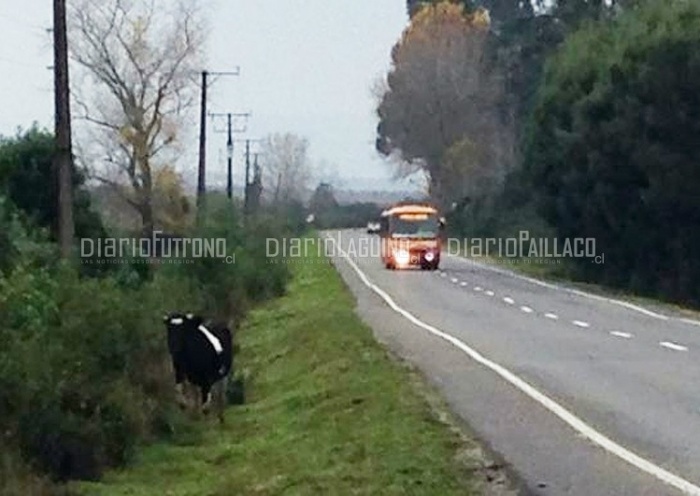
column 411, row 236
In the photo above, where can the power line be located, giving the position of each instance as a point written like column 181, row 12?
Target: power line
column 201, row 173
column 229, row 145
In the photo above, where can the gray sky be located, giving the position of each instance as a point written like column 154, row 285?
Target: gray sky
column 307, row 67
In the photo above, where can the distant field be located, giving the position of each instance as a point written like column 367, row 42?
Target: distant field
column 328, row 413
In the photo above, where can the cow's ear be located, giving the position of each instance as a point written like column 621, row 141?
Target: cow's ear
column 165, row 317
column 189, row 316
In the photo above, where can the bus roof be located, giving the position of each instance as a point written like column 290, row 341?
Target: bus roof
column 414, row 208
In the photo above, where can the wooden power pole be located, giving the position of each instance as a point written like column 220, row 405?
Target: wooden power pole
column 201, row 172
column 202, row 169
column 63, row 155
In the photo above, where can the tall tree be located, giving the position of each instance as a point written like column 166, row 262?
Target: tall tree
column 441, row 91
column 323, row 199
column 27, row 179
column 524, row 34
column 612, row 151
column 286, row 168
column 140, row 57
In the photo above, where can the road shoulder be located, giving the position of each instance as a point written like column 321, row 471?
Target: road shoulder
column 329, row 411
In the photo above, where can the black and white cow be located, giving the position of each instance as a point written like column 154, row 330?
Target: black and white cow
column 201, row 354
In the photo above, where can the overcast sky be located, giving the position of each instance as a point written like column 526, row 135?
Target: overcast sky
column 307, row 67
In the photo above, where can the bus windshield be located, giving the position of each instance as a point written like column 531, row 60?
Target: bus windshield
column 417, row 226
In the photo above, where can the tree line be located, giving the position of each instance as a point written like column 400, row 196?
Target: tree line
column 569, row 118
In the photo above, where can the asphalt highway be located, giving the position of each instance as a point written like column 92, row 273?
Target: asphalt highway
column 577, row 394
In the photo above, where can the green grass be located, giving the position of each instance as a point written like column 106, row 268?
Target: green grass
column 328, row 412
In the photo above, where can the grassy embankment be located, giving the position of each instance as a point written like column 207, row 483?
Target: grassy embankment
column 328, row 412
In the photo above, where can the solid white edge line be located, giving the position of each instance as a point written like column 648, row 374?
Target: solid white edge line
column 690, row 321
column 626, row 304
column 569, row 418
column 673, row 346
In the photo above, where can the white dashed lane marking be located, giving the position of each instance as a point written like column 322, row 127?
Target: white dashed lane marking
column 550, row 404
column 553, row 316
column 619, row 334
column 673, row 346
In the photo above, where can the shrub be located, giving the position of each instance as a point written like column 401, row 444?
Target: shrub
column 84, row 370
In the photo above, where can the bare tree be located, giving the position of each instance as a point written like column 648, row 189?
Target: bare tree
column 139, row 59
column 442, row 93
column 286, row 167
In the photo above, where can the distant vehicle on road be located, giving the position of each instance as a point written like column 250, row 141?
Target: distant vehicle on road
column 411, row 236
column 373, row 227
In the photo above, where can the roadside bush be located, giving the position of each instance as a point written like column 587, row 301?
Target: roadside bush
column 18, row 242
column 84, row 371
column 230, row 287
column 84, row 374
column 26, row 177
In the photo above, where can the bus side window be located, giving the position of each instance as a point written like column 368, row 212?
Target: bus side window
column 384, row 226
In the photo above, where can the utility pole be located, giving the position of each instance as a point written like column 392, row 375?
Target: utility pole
column 246, row 198
column 202, row 169
column 230, row 129
column 201, row 172
column 247, row 162
column 229, row 164
column 63, row 155
column 256, row 186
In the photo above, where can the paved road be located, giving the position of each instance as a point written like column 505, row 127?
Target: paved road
column 577, row 394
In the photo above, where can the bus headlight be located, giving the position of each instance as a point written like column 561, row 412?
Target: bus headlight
column 429, row 256
column 401, row 257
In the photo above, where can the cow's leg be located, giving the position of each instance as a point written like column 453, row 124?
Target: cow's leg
column 221, row 388
column 180, row 387
column 180, row 395
column 206, row 398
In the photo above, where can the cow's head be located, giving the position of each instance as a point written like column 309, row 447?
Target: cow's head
column 175, row 323
column 174, row 320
